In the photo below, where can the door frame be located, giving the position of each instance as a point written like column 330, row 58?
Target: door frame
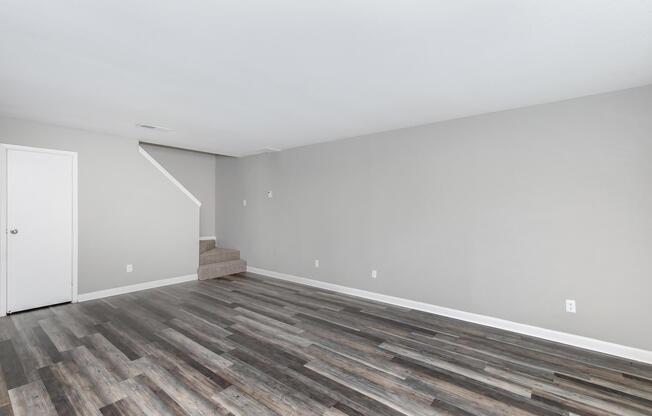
column 4, row 148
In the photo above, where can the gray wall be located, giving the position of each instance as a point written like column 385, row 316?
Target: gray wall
column 227, row 209
column 196, row 171
column 128, row 211
column 505, row 214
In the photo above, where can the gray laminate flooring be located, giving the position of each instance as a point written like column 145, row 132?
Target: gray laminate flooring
column 247, row 345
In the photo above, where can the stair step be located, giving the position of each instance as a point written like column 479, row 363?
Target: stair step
column 217, row 255
column 224, row 268
column 205, row 245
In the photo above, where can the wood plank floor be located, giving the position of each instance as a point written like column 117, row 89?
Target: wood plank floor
column 248, row 345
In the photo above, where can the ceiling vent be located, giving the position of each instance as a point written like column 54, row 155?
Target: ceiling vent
column 262, row 151
column 269, row 150
column 154, row 127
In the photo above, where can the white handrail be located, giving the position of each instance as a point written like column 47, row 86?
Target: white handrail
column 168, row 175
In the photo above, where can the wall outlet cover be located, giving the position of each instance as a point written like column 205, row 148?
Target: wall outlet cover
column 316, row 263
column 244, row 202
column 130, row 268
column 269, row 194
column 374, row 274
column 571, row 307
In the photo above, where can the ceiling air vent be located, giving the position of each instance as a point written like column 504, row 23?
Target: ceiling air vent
column 262, row 150
column 269, row 150
column 153, row 127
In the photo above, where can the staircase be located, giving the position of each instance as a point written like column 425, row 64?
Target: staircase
column 218, row 262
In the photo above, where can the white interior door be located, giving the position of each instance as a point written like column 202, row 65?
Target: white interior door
column 40, row 221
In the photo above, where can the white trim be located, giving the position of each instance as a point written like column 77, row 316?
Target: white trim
column 168, row 175
column 38, row 149
column 3, row 218
column 3, row 230
column 549, row 334
column 75, row 229
column 83, row 297
column 212, row 237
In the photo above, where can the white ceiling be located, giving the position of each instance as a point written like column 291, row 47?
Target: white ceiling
column 233, row 77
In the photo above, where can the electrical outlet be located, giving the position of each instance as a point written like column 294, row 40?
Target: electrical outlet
column 570, row 306
column 269, row 194
column 130, row 268
column 316, row 263
column 244, row 202
column 374, row 274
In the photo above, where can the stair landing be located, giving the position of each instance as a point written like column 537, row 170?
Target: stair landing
column 217, row 261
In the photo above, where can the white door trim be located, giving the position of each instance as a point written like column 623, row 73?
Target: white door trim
column 3, row 218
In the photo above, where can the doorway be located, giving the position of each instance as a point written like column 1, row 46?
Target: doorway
column 39, row 218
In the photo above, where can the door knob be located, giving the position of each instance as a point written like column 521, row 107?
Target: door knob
column 14, row 231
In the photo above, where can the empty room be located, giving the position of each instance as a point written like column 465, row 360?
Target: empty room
column 326, row 208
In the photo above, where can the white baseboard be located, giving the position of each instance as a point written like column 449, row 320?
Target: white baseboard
column 135, row 288
column 208, row 238
column 623, row 351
